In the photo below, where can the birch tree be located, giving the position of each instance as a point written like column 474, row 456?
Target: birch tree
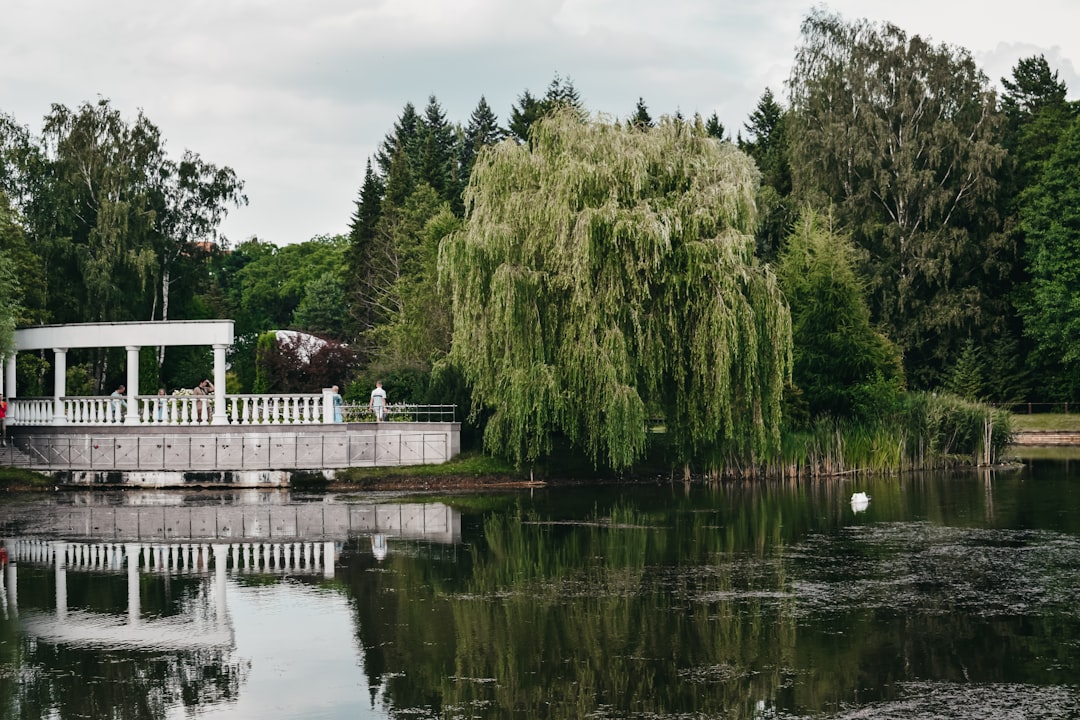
column 11, row 235
column 605, row 278
column 901, row 136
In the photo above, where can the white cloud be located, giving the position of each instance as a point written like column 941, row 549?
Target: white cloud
column 296, row 96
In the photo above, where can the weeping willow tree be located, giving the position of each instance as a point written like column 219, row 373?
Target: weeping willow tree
column 605, row 278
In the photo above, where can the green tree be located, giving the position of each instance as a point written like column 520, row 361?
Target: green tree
column 641, row 119
column 267, row 290
column 361, row 240
column 25, row 267
column 22, row 178
column 767, row 143
column 95, row 226
column 482, row 130
column 362, row 225
column 966, row 379
column 322, row 310
column 10, row 291
column 438, row 153
column 1037, row 115
column 606, row 276
column 1050, row 302
column 418, row 332
column 527, row 111
column 715, row 129
column 374, row 261
column 404, row 137
column 401, row 291
column 840, row 359
column 901, row 137
column 267, row 364
column 193, row 197
column 1033, row 90
column 561, row 95
column 120, row 230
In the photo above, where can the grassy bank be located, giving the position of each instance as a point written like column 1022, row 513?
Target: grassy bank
column 467, row 469
column 12, row 479
column 1047, row 422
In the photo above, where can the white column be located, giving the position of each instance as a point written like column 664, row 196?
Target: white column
column 12, row 589
column 61, row 580
column 220, row 560
column 220, row 417
column 134, row 592
column 328, row 405
column 132, row 417
column 328, row 559
column 59, row 385
column 9, row 375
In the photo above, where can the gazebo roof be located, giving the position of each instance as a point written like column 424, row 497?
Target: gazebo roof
column 125, row 334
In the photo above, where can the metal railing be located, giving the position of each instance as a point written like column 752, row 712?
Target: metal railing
column 1035, row 408
column 401, row 412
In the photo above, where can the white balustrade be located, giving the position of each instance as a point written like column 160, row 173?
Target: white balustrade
column 174, row 410
column 294, row 409
column 178, row 558
column 30, row 411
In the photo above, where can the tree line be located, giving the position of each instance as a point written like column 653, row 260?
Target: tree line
column 893, row 226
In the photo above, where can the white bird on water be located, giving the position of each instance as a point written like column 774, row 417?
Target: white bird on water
column 860, row 501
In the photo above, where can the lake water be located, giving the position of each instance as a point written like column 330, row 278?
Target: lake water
column 946, row 597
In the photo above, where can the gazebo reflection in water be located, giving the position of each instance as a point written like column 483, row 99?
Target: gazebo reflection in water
column 306, row 544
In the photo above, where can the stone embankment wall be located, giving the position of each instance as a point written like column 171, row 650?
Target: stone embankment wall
column 1047, row 437
column 313, row 522
column 256, row 457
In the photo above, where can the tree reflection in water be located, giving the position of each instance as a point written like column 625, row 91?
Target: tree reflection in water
column 66, row 680
column 948, row 597
column 741, row 602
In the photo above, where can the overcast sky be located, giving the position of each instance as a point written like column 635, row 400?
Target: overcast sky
column 295, row 96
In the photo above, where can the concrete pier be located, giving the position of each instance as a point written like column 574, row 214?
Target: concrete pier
column 433, row 522
column 254, row 456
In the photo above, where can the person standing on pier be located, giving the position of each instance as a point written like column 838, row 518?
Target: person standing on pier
column 117, row 404
column 337, row 403
column 377, row 404
column 202, row 390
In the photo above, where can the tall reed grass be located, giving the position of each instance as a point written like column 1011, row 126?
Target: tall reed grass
column 922, row 431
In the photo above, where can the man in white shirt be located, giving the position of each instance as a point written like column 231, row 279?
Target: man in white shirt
column 377, row 404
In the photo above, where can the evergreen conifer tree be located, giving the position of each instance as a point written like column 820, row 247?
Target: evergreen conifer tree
column 641, row 119
column 768, row 145
column 404, row 136
column 361, row 237
column 561, row 94
column 437, row 156
column 522, row 116
column 483, row 129
column 714, row 128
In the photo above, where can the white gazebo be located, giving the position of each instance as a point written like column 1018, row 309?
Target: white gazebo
column 132, row 336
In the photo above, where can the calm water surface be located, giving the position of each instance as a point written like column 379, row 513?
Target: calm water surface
column 946, row 597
